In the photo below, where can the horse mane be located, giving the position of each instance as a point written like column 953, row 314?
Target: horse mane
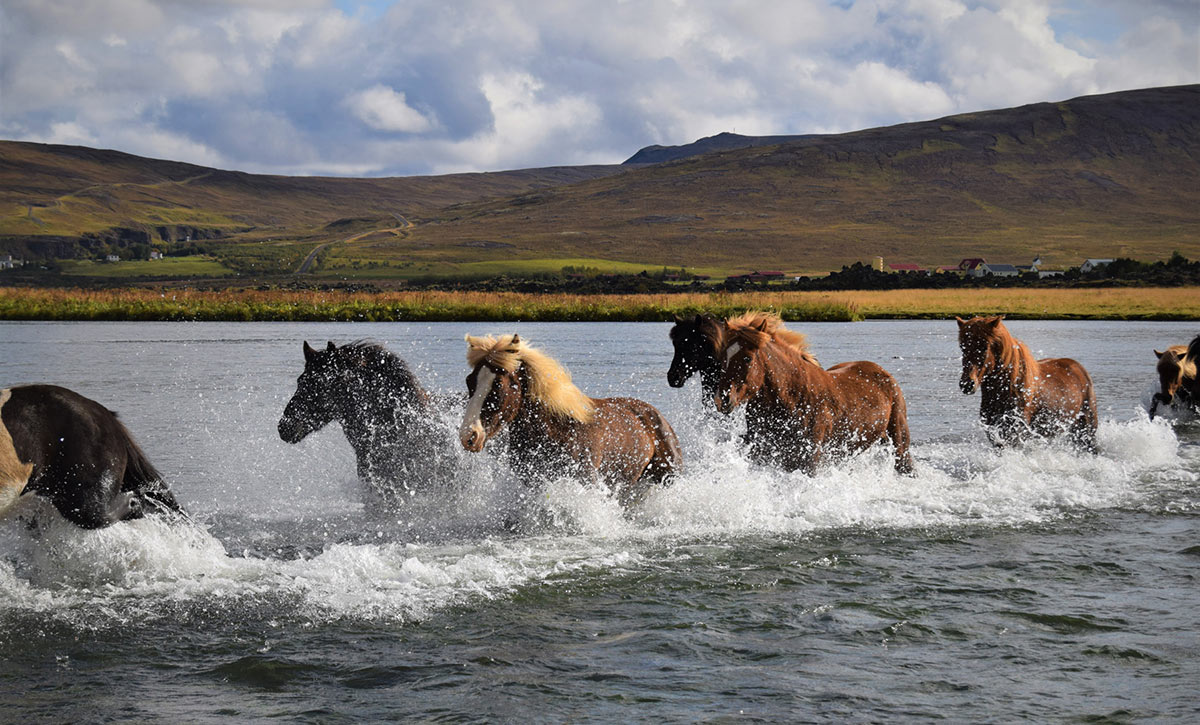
column 388, row 365
column 746, row 328
column 1014, row 354
column 549, row 382
column 1192, row 354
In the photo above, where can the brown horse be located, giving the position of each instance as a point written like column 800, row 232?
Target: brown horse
column 555, row 428
column 698, row 343
column 797, row 414
column 1189, row 387
column 1172, row 374
column 1022, row 396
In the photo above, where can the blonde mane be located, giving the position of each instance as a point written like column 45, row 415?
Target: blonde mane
column 750, row 325
column 549, row 382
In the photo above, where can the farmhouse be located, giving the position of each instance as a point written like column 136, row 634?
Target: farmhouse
column 1093, row 264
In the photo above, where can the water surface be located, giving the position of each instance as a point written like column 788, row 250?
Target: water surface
column 993, row 585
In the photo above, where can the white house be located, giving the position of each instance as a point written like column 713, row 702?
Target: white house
column 1091, row 264
column 996, row 270
column 113, row 258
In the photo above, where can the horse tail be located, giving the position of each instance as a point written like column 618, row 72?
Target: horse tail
column 144, row 480
column 898, row 430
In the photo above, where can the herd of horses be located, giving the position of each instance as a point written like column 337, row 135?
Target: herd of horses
column 799, row 416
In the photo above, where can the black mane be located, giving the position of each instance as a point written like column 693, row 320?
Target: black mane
column 386, row 364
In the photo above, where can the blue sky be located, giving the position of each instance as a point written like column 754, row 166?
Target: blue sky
column 385, row 87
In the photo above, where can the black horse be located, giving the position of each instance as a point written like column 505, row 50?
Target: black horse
column 697, row 344
column 387, row 416
column 75, row 452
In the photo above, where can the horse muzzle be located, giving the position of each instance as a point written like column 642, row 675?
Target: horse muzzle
column 289, row 431
column 967, row 385
column 472, row 439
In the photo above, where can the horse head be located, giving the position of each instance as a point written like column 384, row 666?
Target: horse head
column 1170, row 374
column 697, row 350
column 495, row 387
column 743, row 371
column 319, row 390
column 978, row 338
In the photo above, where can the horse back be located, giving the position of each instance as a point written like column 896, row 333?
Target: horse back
column 634, row 436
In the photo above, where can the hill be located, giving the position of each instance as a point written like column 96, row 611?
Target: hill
column 1099, row 176
column 65, row 199
column 721, row 142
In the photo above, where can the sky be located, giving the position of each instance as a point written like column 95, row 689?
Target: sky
column 403, row 87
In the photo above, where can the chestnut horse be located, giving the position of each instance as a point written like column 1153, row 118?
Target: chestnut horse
column 698, row 343
column 1022, row 396
column 555, row 428
column 1189, row 387
column 1171, row 376
column 75, row 452
column 797, row 414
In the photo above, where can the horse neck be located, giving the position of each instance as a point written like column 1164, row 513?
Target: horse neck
column 1014, row 376
column 377, row 409
column 533, row 426
column 788, row 378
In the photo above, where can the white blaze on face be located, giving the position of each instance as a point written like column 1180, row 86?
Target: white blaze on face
column 471, row 422
column 734, row 349
column 13, row 474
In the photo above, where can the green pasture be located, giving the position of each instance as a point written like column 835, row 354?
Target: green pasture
column 194, row 266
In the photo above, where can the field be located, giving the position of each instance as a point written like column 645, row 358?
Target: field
column 195, row 266
column 278, row 305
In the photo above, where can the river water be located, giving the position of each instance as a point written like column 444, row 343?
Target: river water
column 991, row 586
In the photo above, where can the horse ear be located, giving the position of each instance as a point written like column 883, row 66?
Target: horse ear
column 1158, row 353
column 516, row 339
column 961, row 321
column 330, row 347
column 995, row 321
column 309, row 353
column 699, row 319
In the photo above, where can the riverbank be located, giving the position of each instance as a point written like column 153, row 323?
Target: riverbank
column 1112, row 303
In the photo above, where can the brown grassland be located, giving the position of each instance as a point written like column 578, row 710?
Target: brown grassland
column 1124, row 303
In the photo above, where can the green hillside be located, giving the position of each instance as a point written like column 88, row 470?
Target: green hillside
column 1098, row 176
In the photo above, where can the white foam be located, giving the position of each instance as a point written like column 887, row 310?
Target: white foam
column 446, row 546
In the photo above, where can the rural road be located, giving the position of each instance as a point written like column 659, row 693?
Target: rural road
column 312, row 256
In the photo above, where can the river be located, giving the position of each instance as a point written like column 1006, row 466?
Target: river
column 1032, row 583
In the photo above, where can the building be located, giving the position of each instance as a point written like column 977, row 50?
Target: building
column 1090, row 265
column 155, row 254
column 7, row 262
column 997, row 270
column 113, row 258
column 968, row 266
column 906, row 267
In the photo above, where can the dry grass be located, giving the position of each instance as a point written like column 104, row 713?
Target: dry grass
column 141, row 304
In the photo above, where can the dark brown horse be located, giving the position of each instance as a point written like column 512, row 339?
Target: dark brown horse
column 798, row 414
column 554, row 428
column 1022, row 396
column 699, row 341
column 75, row 452
column 1171, row 376
column 386, row 415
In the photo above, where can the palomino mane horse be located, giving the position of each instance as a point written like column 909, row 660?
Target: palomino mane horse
column 1173, row 371
column 384, row 412
column 555, row 428
column 75, row 452
column 798, row 414
column 698, row 343
column 1021, row 396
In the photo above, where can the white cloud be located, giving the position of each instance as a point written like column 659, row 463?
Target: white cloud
column 385, row 109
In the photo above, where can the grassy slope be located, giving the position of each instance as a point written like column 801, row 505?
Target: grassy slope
column 1114, row 175
column 1107, row 176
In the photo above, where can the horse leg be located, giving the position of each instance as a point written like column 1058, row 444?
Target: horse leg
column 1083, row 428
column 897, row 430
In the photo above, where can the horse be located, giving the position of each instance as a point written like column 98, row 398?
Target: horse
column 698, row 343
column 384, row 412
column 75, row 452
column 1021, row 396
column 553, row 427
column 798, row 414
column 1189, row 386
column 1171, row 376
